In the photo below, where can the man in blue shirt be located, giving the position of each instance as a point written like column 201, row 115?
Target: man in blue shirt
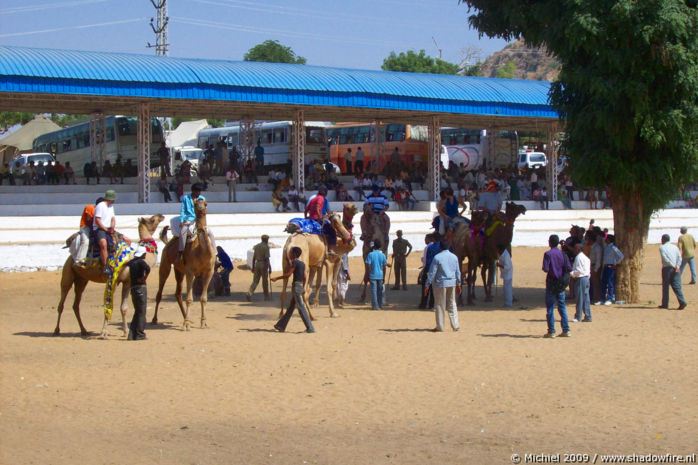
column 187, row 216
column 259, row 157
column 376, row 262
column 379, row 204
column 612, row 256
column 226, row 266
column 556, row 265
column 444, row 273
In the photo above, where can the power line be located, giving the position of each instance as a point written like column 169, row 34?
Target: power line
column 68, row 28
column 30, row 8
column 276, row 32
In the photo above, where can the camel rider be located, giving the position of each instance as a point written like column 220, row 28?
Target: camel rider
column 103, row 227
column 448, row 209
column 490, row 201
column 187, row 217
column 379, row 203
column 318, row 207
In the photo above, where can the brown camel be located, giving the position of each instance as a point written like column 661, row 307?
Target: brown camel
column 500, row 232
column 314, row 254
column 372, row 228
column 467, row 244
column 78, row 277
column 199, row 259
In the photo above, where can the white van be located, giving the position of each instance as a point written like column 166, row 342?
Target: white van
column 26, row 158
column 532, row 160
column 193, row 154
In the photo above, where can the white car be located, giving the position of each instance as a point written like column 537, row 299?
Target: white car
column 532, row 160
column 193, row 154
column 25, row 159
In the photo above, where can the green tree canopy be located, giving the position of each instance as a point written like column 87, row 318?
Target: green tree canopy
column 10, row 118
column 628, row 96
column 271, row 51
column 507, row 71
column 412, row 62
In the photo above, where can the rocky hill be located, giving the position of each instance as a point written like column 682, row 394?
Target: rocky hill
column 522, row 62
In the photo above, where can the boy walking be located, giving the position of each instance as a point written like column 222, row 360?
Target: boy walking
column 298, row 271
column 376, row 262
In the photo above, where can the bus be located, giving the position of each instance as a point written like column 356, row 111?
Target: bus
column 275, row 137
column 472, row 147
column 410, row 140
column 72, row 144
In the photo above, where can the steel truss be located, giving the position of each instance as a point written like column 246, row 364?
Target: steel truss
column 143, row 141
column 98, row 137
column 298, row 155
column 434, row 157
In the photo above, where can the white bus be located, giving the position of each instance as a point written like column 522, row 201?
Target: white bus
column 73, row 143
column 275, row 138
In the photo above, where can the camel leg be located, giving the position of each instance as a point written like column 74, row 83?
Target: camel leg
column 190, row 298
column 487, row 279
column 164, row 274
column 332, row 272
column 66, row 284
column 472, row 277
column 318, row 285
column 79, row 288
column 125, row 291
column 283, row 298
column 178, row 295
column 207, row 275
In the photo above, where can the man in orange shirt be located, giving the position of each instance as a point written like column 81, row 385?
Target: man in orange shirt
column 82, row 242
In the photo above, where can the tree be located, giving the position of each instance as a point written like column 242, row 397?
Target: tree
column 412, row 62
column 627, row 94
column 10, row 118
column 271, row 51
column 507, row 71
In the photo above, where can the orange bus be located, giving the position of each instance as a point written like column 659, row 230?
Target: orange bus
column 411, row 142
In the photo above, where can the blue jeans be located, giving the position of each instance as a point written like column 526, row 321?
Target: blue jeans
column 608, row 283
column 377, row 294
column 550, row 300
column 691, row 262
column 583, row 299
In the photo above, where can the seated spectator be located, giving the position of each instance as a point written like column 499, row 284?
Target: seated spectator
column 204, row 174
column 41, row 173
column 278, row 199
column 108, row 171
column 358, row 186
column 343, row 194
column 564, row 198
column 400, row 199
column 164, row 188
column 69, row 174
column 293, row 197
column 388, row 185
column 185, row 171
column 5, row 174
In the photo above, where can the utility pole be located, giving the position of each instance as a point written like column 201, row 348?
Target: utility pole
column 437, row 46
column 161, row 46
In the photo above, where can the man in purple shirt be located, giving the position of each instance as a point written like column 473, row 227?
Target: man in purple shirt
column 555, row 264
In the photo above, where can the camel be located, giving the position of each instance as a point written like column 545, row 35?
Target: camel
column 498, row 233
column 314, row 254
column 466, row 244
column 372, row 229
column 78, row 277
column 199, row 259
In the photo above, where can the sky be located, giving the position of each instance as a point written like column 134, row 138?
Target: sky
column 338, row 33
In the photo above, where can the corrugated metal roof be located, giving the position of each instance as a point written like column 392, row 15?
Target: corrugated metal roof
column 120, row 74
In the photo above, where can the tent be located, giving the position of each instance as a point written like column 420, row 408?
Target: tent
column 186, row 133
column 21, row 140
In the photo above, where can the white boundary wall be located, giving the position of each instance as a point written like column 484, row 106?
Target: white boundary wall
column 35, row 243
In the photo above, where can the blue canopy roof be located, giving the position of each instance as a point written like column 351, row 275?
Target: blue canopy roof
column 70, row 72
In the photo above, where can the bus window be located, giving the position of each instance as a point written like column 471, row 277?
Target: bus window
column 313, row 136
column 279, row 135
column 395, row 132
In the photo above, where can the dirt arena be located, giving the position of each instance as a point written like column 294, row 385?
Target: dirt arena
column 370, row 387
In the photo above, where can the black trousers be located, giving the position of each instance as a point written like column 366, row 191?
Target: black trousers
column 296, row 301
column 428, row 301
column 400, row 264
column 139, row 297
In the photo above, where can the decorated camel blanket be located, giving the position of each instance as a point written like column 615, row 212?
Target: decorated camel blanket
column 307, row 226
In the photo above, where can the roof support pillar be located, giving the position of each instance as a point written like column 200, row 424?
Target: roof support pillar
column 298, row 151
column 143, row 141
column 376, row 149
column 98, row 130
column 552, row 164
column 434, row 163
column 246, row 142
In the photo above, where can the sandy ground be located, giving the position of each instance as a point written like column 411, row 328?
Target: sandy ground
column 367, row 388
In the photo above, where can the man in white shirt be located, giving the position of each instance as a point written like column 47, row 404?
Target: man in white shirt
column 231, row 177
column 506, row 268
column 359, row 161
column 671, row 262
column 581, row 272
column 104, row 225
